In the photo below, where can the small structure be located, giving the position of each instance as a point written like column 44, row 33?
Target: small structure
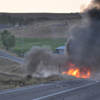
column 60, row 50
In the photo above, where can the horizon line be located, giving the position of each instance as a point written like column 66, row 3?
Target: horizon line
column 40, row 12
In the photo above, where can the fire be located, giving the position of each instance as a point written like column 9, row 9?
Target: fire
column 77, row 71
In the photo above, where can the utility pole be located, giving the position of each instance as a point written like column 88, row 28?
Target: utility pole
column 22, row 41
column 59, row 73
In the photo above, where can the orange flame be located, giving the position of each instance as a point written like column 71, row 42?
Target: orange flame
column 78, row 72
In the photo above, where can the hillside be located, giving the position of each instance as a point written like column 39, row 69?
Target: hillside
column 45, row 25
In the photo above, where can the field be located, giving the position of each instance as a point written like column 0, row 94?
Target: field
column 28, row 43
column 44, row 29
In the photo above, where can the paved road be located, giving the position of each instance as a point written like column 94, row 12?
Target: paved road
column 10, row 57
column 63, row 90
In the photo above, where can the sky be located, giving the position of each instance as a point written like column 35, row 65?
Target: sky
column 51, row 6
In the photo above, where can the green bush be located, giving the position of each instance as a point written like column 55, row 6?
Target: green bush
column 7, row 39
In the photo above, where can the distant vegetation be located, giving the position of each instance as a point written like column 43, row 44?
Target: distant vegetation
column 7, row 39
column 12, row 21
column 8, row 20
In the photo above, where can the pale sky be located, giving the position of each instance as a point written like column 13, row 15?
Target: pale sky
column 54, row 6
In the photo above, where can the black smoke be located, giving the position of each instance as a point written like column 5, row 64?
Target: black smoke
column 83, row 47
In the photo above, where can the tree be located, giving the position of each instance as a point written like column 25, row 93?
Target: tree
column 7, row 39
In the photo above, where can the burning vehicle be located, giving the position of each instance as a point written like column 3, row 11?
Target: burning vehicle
column 78, row 72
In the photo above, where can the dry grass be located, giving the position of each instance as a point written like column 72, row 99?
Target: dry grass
column 12, row 76
column 8, row 66
column 44, row 29
column 7, row 83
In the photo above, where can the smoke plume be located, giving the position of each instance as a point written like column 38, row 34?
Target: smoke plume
column 83, row 47
column 41, row 61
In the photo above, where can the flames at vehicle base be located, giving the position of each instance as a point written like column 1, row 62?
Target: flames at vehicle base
column 79, row 72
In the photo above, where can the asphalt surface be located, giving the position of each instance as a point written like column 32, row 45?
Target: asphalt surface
column 10, row 57
column 63, row 90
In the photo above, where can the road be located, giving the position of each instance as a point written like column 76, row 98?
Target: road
column 10, row 57
column 64, row 90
